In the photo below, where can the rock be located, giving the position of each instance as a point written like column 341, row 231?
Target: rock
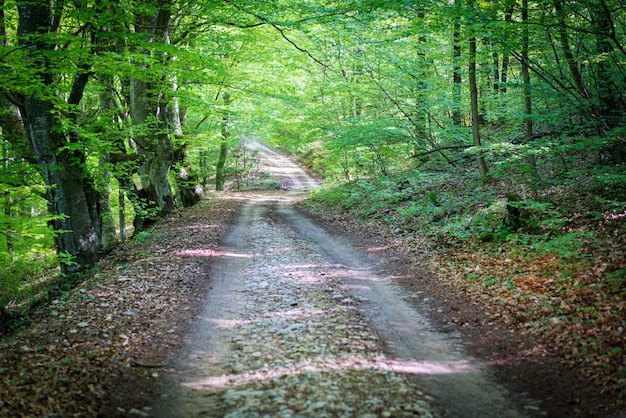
column 317, row 405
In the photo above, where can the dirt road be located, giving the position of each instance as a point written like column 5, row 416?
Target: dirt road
column 300, row 323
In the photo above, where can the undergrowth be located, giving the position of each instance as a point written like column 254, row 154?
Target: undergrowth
column 29, row 280
column 547, row 256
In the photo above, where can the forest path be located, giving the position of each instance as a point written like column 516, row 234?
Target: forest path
column 300, row 323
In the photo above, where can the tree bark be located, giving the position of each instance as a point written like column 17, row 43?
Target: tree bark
column 567, row 52
column 7, row 200
column 71, row 192
column 496, row 70
column 611, row 102
column 149, row 117
column 221, row 160
column 506, row 58
column 122, row 215
column 174, row 110
column 109, row 235
column 528, row 98
column 456, row 76
column 480, row 158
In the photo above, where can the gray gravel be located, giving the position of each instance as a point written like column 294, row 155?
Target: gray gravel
column 300, row 324
column 282, row 337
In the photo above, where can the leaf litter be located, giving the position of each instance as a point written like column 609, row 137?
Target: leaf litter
column 100, row 349
column 554, row 326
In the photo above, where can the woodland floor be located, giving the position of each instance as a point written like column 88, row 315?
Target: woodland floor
column 107, row 348
column 101, row 350
column 519, row 358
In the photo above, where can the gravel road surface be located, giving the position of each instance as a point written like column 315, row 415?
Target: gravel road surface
column 300, row 323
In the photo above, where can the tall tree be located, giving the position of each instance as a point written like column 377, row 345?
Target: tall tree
column 611, row 105
column 475, row 111
column 220, row 174
column 149, row 92
column 457, row 79
column 71, row 191
column 528, row 98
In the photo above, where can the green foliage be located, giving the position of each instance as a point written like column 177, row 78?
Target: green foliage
column 364, row 94
column 26, row 244
column 452, row 213
column 567, row 246
column 141, row 237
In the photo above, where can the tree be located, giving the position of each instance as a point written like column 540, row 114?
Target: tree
column 148, row 108
column 528, row 98
column 221, row 160
column 456, row 72
column 480, row 158
column 71, row 191
column 361, row 88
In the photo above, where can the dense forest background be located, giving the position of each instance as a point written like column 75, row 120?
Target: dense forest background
column 492, row 129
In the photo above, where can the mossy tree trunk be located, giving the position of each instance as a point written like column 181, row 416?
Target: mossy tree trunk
column 71, row 192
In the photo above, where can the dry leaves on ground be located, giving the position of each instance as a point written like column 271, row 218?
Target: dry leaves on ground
column 571, row 308
column 100, row 349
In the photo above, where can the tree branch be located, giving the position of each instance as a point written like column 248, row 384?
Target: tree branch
column 282, row 33
column 441, row 149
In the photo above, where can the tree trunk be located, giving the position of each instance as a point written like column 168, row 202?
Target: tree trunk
column 528, row 98
column 221, row 160
column 125, row 165
column 456, row 78
column 219, row 168
column 109, row 235
column 71, row 192
column 139, row 112
column 7, row 200
column 149, row 118
column 122, row 215
column 345, row 164
column 496, row 70
column 13, row 130
column 611, row 102
column 567, row 52
column 187, row 181
column 174, row 110
column 480, row 158
column 506, row 59
column 8, row 213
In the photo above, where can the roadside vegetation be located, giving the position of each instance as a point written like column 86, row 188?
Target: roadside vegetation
column 547, row 257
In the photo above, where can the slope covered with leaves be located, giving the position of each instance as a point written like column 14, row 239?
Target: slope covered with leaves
column 549, row 264
column 98, row 350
